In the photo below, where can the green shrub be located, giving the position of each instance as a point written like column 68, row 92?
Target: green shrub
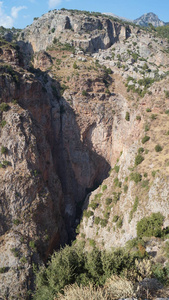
column 145, row 67
column 127, row 117
column 107, row 71
column 78, row 229
column 118, row 65
column 32, row 245
column 4, row 106
column 16, row 222
column 104, row 187
column 92, row 243
column 147, row 128
column 88, row 213
column 158, row 148
column 58, row 61
column 23, row 260
column 148, row 110
column 153, row 173
column 159, row 272
column 15, row 252
column 73, row 264
column 134, row 243
column 75, row 66
column 3, row 270
column 97, row 196
column 116, row 169
column 145, row 139
column 154, row 116
column 150, row 226
column 140, row 150
column 119, row 223
column 83, row 235
column 60, row 272
column 93, row 205
column 167, row 94
column 125, row 188
column 107, row 91
column 103, row 222
column 134, row 209
column 136, row 177
column 138, row 118
column 138, row 159
column 84, row 93
column 4, row 150
column 6, row 163
column 63, row 88
column 3, row 123
column 106, row 214
column 117, row 183
column 108, row 201
column 115, row 218
column 116, row 197
column 135, row 55
column 97, row 220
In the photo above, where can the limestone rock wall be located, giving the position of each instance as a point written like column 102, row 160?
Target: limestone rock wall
column 88, row 32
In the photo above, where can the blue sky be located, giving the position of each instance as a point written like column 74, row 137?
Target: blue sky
column 20, row 13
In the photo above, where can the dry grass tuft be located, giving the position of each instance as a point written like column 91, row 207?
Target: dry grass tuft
column 118, row 287
column 75, row 292
column 143, row 269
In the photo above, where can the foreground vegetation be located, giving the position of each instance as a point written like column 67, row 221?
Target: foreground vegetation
column 107, row 274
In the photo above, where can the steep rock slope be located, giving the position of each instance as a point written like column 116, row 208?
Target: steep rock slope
column 79, row 29
column 31, row 205
column 140, row 62
column 65, row 121
column 47, row 162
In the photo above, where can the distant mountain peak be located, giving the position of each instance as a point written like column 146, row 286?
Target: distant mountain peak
column 148, row 18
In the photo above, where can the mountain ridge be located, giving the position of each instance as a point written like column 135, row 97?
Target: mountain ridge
column 149, row 18
column 144, row 20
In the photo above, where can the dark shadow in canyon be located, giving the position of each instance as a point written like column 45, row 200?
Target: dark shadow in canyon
column 79, row 168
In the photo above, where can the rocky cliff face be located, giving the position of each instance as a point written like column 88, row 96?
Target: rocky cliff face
column 47, row 163
column 67, row 119
column 32, row 204
column 80, row 30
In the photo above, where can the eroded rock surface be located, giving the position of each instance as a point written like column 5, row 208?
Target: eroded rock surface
column 66, row 120
column 87, row 32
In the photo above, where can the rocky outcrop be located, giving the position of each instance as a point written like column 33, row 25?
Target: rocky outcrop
column 32, row 206
column 88, row 32
column 68, row 119
column 47, row 164
column 133, row 190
